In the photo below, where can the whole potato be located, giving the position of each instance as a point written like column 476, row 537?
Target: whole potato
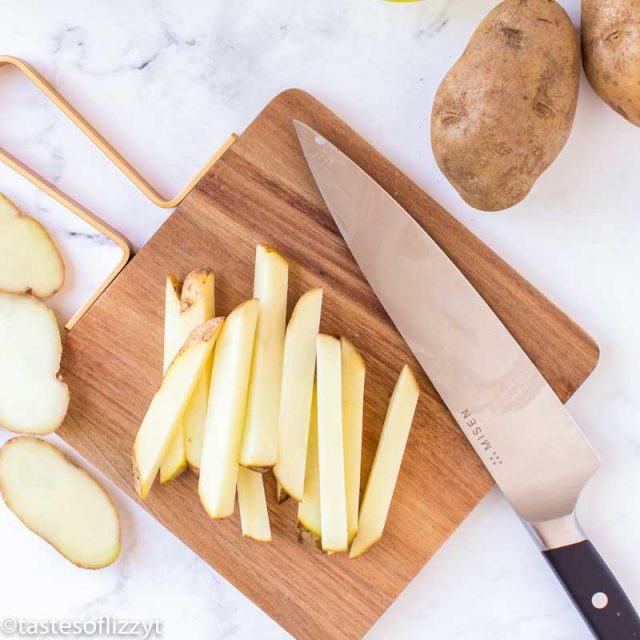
column 504, row 110
column 610, row 34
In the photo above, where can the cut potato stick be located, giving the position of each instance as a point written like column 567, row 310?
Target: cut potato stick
column 254, row 515
column 226, row 412
column 183, row 313
column 353, row 374
column 167, row 406
column 297, row 386
column 29, row 260
column 197, row 305
column 386, row 463
column 173, row 463
column 173, row 336
column 333, row 505
column 309, row 507
column 260, row 440
column 34, row 399
column 60, row 502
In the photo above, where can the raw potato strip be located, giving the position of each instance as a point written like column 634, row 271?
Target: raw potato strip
column 168, row 404
column 29, row 259
column 254, row 515
column 182, row 315
column 197, row 305
column 353, row 374
column 309, row 507
column 333, row 503
column 173, row 463
column 386, row 464
column 60, row 502
column 226, row 413
column 260, row 440
column 297, row 386
column 33, row 398
column 173, row 338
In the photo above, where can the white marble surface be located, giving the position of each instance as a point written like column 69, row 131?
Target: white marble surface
column 167, row 81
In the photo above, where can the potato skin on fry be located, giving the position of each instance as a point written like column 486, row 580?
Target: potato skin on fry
column 610, row 38
column 505, row 109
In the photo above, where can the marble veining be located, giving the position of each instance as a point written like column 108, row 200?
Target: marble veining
column 166, row 82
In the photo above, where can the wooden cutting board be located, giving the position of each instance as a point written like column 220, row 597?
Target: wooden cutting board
column 261, row 191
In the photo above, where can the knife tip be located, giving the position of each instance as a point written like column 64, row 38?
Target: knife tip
column 307, row 136
column 300, row 127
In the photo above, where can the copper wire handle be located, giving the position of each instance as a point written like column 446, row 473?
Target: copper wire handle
column 116, row 158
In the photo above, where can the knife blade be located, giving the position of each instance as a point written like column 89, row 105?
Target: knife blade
column 521, row 431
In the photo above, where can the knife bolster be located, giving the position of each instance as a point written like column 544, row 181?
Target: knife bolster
column 559, row 532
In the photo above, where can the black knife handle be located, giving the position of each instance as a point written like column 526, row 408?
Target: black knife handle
column 595, row 591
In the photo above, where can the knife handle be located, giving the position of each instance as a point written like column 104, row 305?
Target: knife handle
column 595, row 591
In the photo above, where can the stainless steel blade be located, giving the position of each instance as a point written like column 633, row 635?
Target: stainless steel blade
column 522, row 432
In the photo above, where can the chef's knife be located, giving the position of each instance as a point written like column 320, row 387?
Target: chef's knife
column 522, row 432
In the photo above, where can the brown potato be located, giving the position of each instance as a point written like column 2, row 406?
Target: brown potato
column 610, row 35
column 504, row 110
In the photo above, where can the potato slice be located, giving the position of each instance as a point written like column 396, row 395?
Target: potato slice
column 197, row 306
column 60, row 502
column 29, row 259
column 386, row 463
column 260, row 440
column 34, row 399
column 173, row 336
column 183, row 313
column 309, row 506
column 333, row 501
column 353, row 374
column 174, row 461
column 254, row 515
column 297, row 386
column 168, row 404
column 226, row 412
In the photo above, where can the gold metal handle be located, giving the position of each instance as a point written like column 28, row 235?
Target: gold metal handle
column 41, row 83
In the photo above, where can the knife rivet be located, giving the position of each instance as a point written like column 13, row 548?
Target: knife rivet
column 599, row 600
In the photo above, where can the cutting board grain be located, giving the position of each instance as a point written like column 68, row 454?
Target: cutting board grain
column 261, row 191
